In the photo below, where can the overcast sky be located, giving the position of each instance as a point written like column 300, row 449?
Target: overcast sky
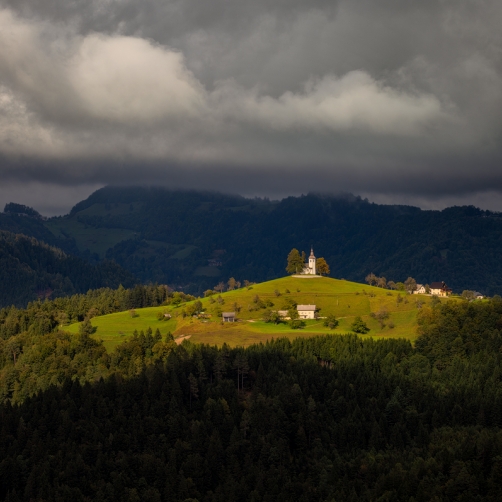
column 397, row 100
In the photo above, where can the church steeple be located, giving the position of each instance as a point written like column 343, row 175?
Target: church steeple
column 312, row 261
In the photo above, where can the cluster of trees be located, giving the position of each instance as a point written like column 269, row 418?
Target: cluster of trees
column 230, row 285
column 324, row 418
column 21, row 209
column 408, row 285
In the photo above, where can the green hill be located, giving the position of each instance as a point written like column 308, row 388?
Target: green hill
column 344, row 299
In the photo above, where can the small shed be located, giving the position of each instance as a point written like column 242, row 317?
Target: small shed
column 228, row 316
column 306, row 311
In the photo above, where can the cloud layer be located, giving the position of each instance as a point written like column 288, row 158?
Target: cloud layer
column 392, row 98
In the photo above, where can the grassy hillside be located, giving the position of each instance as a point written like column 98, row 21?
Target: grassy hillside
column 343, row 298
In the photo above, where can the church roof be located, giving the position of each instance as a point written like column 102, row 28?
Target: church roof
column 312, row 253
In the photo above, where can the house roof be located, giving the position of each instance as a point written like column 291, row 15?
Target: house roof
column 437, row 285
column 305, row 307
column 228, row 314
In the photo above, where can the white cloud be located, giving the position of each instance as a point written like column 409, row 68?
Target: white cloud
column 355, row 101
column 76, row 83
column 129, row 79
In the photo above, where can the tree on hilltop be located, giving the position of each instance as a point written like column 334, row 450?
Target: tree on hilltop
column 371, row 279
column 410, row 284
column 382, row 282
column 220, row 287
column 295, row 262
column 322, row 267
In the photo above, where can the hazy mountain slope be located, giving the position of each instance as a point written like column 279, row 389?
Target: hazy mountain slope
column 35, row 227
column 195, row 239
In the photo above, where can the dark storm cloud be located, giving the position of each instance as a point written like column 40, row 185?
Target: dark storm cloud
column 398, row 99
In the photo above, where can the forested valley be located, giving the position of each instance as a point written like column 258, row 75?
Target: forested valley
column 324, row 418
column 31, row 269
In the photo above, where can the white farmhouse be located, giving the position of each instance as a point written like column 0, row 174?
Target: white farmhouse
column 440, row 289
column 306, row 311
column 420, row 290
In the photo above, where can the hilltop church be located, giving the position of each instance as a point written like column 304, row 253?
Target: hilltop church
column 309, row 268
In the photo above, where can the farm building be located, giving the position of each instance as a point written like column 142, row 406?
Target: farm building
column 228, row 316
column 440, row 289
column 306, row 311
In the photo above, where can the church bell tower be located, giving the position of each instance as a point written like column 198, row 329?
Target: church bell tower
column 312, row 262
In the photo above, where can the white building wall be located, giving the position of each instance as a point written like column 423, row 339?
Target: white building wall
column 312, row 266
column 306, row 314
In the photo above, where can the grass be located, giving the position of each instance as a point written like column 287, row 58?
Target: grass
column 99, row 240
column 96, row 240
column 344, row 299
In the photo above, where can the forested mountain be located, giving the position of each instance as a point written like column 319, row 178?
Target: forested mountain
column 19, row 223
column 320, row 419
column 194, row 239
column 30, row 269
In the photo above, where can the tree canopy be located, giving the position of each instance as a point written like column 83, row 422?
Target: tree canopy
column 296, row 262
column 322, row 268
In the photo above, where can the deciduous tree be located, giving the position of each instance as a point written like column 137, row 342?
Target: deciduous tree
column 410, row 284
column 371, row 279
column 359, row 326
column 331, row 321
column 322, row 268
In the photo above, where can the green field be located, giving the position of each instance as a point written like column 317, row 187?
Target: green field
column 96, row 240
column 99, row 240
column 343, row 298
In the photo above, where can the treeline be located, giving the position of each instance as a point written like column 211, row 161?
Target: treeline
column 325, row 418
column 30, row 269
column 42, row 317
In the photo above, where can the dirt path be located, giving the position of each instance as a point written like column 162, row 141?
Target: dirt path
column 181, row 338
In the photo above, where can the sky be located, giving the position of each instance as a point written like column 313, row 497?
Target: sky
column 399, row 101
